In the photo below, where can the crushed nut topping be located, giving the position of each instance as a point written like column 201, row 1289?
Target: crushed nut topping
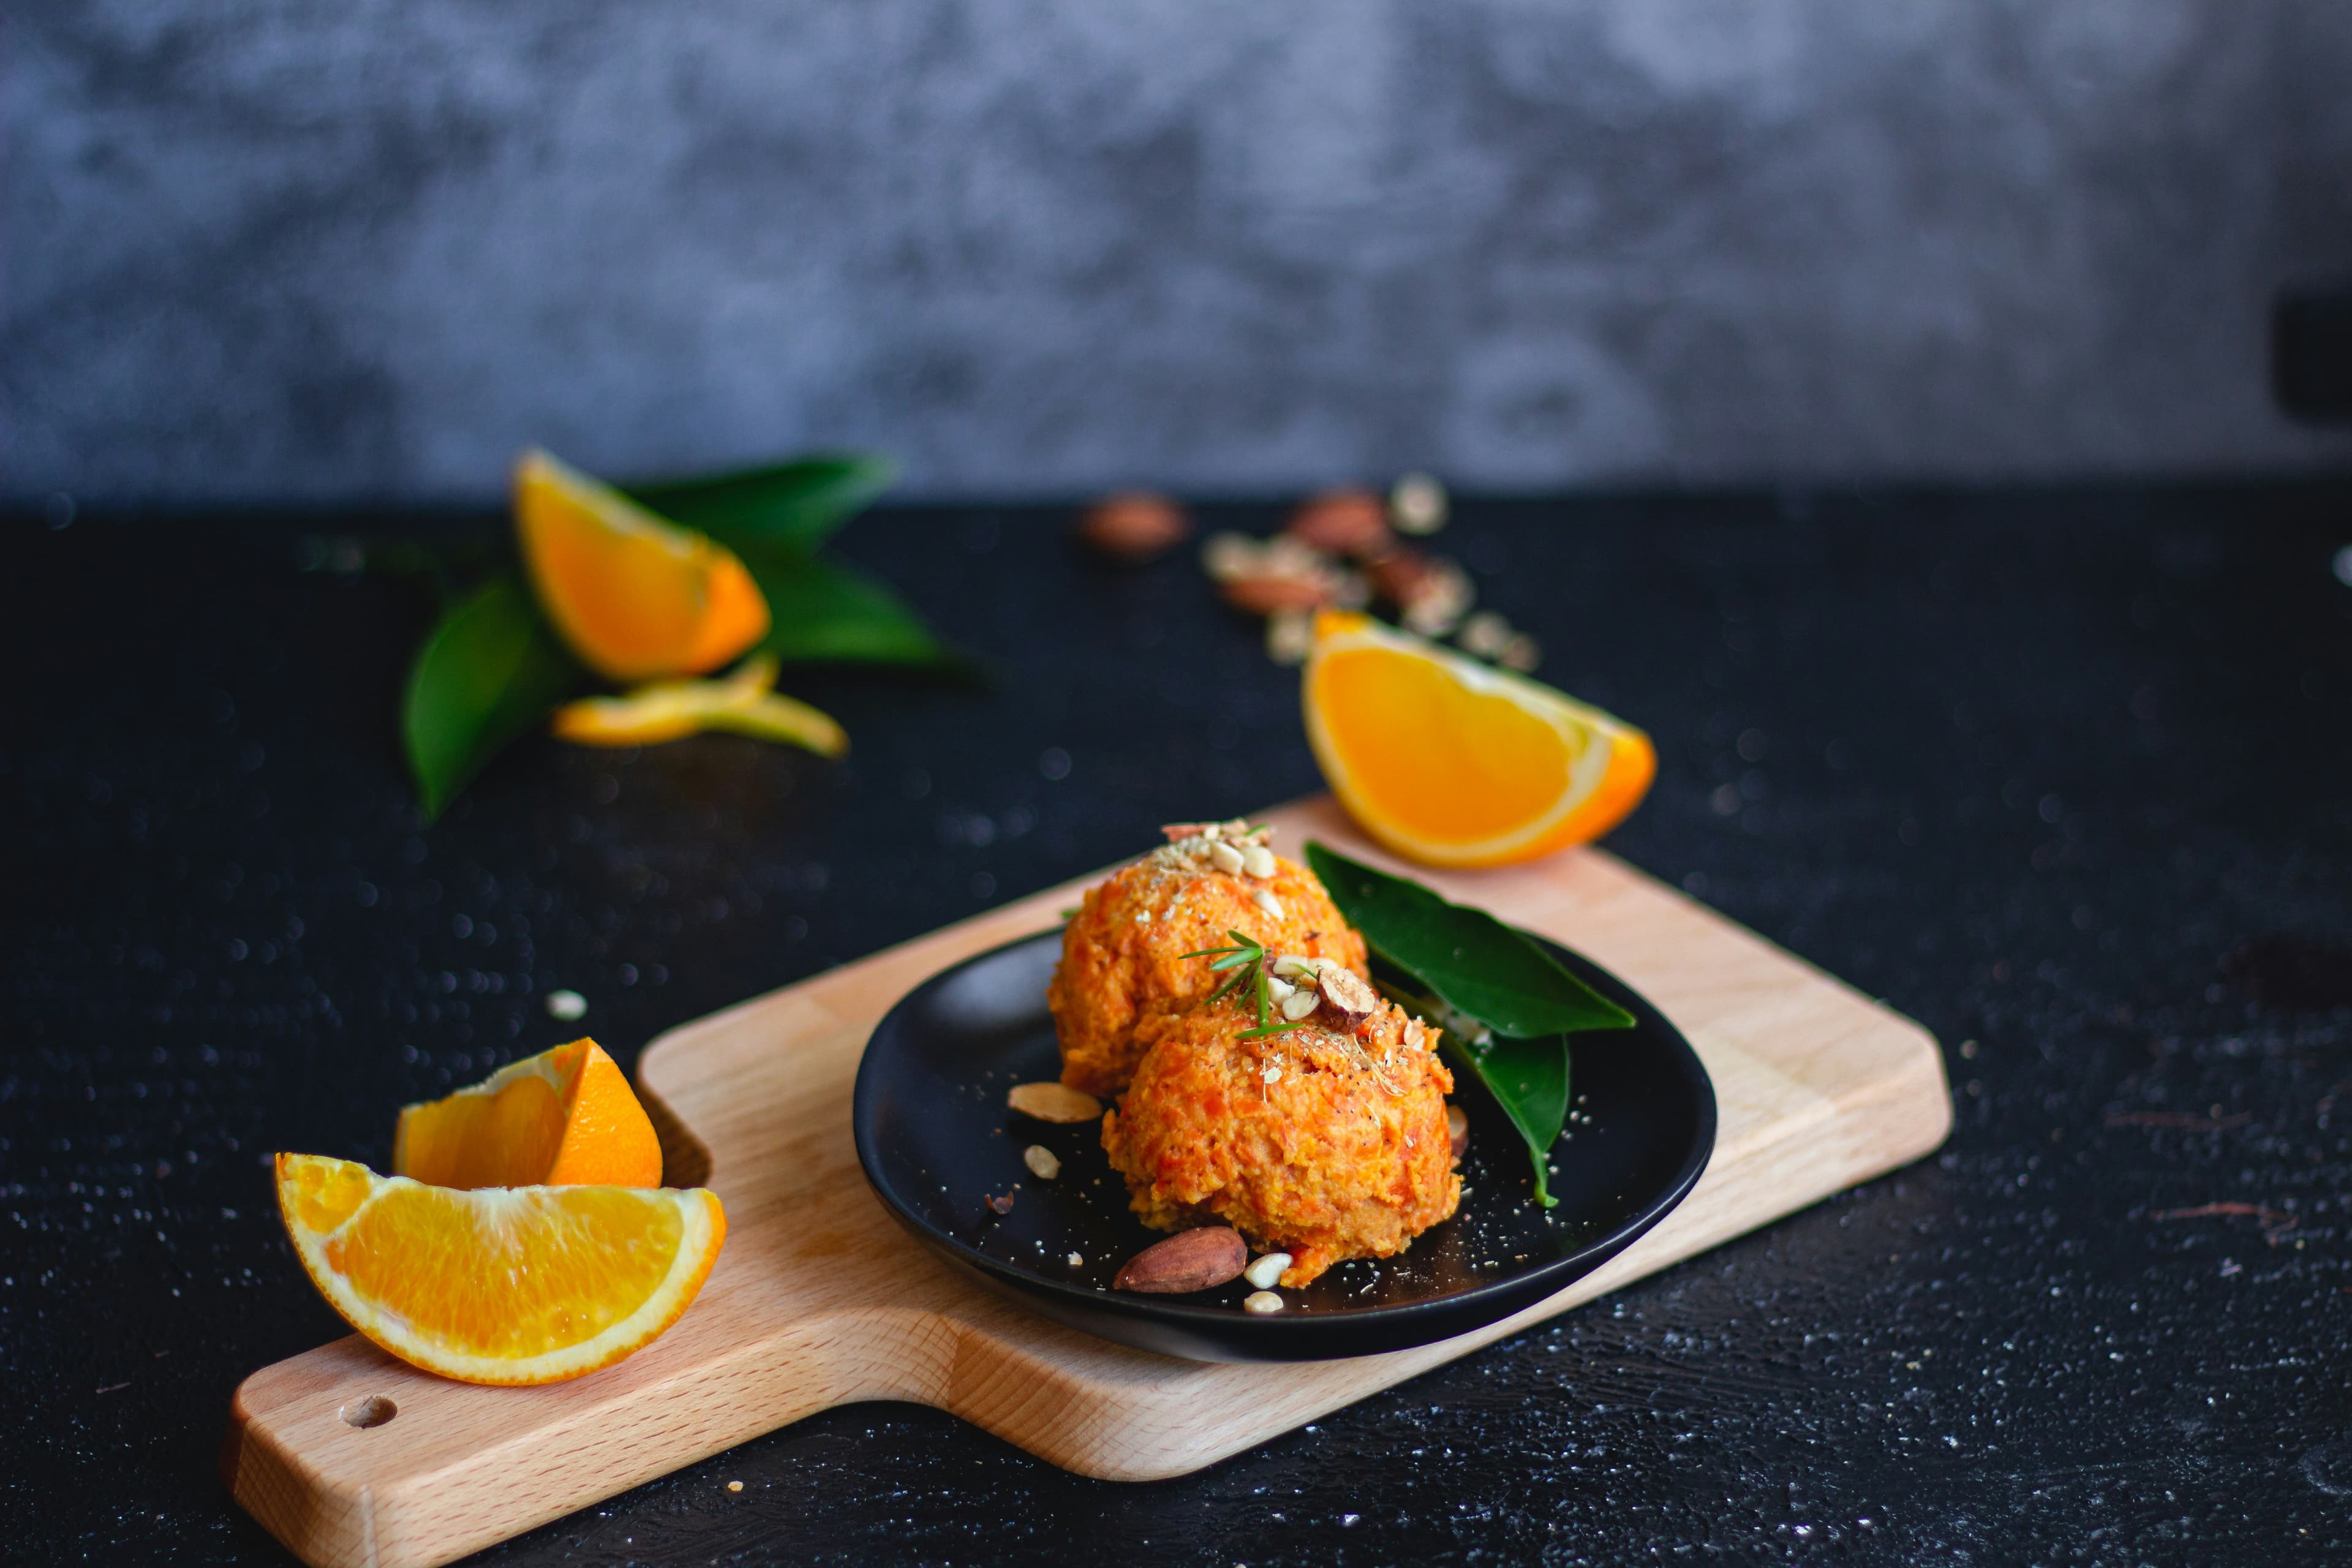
column 1261, row 1302
column 1266, row 1270
column 1350, row 994
column 1042, row 1163
column 1268, row 902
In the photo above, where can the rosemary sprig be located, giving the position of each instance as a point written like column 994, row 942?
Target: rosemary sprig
column 1246, row 961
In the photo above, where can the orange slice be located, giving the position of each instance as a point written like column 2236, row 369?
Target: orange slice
column 510, row 1284
column 1449, row 762
column 636, row 597
column 560, row 1118
column 672, row 710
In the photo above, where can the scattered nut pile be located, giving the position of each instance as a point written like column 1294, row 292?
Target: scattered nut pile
column 1345, row 549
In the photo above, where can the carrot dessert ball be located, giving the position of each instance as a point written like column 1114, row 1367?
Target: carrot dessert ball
column 1327, row 1142
column 1123, row 972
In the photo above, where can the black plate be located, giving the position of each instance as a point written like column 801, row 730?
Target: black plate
column 937, row 1141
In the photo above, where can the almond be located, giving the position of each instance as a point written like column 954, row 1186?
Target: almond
column 1053, row 1103
column 1432, row 593
column 1344, row 522
column 1348, row 994
column 1134, row 527
column 1265, row 589
column 1188, row 1260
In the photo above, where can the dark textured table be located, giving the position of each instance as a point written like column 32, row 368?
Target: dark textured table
column 2066, row 775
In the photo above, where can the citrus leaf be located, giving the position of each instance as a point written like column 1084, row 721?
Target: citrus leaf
column 798, row 505
column 1528, row 1078
column 1477, row 965
column 489, row 670
column 822, row 610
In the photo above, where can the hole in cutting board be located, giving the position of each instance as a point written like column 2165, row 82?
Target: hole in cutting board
column 373, row 1411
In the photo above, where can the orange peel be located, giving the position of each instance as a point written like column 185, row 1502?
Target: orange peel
column 742, row 704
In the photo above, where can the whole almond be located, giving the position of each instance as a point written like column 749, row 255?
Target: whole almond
column 1188, row 1260
column 1263, row 590
column 1053, row 1103
column 1134, row 527
column 1345, row 522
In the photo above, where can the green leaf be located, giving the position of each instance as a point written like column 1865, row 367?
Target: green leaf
column 489, row 670
column 1528, row 1078
column 797, row 505
column 1475, row 964
column 823, row 610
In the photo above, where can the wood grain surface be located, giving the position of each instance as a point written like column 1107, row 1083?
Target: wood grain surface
column 821, row 1300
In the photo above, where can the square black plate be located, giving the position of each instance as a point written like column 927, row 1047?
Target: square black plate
column 936, row 1140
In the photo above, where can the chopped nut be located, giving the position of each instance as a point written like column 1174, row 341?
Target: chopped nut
column 1433, row 593
column 1273, row 1073
column 1228, row 555
column 1458, row 1127
column 1345, row 522
column 1075, row 1259
column 1350, row 993
column 1134, row 527
column 1225, row 858
column 1266, row 1270
column 1003, row 1204
column 1281, row 990
column 1268, row 902
column 1417, row 504
column 1053, row 1103
column 1290, row 634
column 1042, row 1163
column 1299, row 1003
column 1290, row 966
column 734, row 1486
column 1485, row 634
column 1258, row 861
column 1188, row 1260
column 1261, row 1302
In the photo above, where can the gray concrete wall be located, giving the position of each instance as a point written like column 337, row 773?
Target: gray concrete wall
column 280, row 250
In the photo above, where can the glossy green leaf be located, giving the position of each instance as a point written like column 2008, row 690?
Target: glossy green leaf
column 489, row 669
column 796, row 505
column 822, row 610
column 1528, row 1078
column 1472, row 961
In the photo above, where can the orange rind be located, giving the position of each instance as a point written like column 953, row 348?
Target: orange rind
column 742, row 704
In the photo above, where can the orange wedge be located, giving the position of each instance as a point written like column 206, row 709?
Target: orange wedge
column 636, row 597
column 510, row 1285
column 1449, row 762
column 743, row 704
column 562, row 1117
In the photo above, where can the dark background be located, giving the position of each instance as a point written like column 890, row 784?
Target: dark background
column 360, row 250
column 2062, row 774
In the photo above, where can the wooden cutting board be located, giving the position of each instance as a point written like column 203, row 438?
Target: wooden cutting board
column 821, row 1300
